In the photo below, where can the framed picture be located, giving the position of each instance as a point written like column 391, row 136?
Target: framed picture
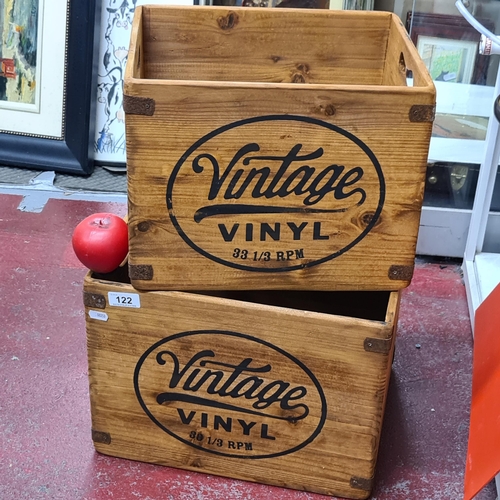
column 47, row 84
column 116, row 23
column 357, row 4
column 448, row 46
column 448, row 60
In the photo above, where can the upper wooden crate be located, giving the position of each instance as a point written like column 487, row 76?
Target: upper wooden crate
column 274, row 149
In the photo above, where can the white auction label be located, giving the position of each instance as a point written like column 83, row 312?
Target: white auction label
column 124, row 299
column 102, row 316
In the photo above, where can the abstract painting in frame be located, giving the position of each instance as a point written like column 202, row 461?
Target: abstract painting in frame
column 47, row 84
column 20, row 53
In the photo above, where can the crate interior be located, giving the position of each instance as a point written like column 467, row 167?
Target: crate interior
column 371, row 305
column 263, row 45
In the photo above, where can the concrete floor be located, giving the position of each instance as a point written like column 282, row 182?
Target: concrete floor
column 45, row 439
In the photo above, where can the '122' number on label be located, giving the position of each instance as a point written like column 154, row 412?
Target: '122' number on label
column 124, row 299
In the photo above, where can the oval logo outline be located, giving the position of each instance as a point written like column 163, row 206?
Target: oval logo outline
column 251, row 338
column 314, row 121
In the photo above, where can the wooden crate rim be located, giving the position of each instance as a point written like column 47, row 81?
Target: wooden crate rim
column 305, row 12
column 390, row 313
column 130, row 82
column 426, row 87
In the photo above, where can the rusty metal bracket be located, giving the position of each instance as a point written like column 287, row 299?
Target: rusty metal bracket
column 101, row 437
column 382, row 346
column 403, row 273
column 361, row 483
column 140, row 272
column 134, row 105
column 422, row 113
column 95, row 300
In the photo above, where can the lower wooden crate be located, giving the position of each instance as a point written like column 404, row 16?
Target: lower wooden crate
column 282, row 388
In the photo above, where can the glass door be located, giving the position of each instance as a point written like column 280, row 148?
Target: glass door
column 465, row 78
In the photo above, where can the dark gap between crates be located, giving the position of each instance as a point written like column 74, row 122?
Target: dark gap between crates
column 370, row 305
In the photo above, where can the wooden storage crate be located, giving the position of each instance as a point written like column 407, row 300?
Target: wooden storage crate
column 281, row 388
column 270, row 148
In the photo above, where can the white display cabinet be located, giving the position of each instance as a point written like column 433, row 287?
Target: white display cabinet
column 482, row 269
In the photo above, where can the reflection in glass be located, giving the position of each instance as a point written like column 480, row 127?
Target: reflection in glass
column 460, row 127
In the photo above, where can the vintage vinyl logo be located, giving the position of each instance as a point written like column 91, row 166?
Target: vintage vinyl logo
column 275, row 193
column 230, row 394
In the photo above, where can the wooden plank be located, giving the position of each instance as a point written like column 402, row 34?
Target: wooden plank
column 395, row 58
column 399, row 145
column 298, row 46
column 399, row 38
column 300, row 387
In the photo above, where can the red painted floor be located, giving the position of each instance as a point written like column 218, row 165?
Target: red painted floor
column 45, row 441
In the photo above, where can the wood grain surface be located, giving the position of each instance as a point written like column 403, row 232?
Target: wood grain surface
column 266, row 393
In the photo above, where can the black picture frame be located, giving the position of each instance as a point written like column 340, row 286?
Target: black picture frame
column 73, row 153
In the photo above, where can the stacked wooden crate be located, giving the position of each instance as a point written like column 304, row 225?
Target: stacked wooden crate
column 276, row 164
